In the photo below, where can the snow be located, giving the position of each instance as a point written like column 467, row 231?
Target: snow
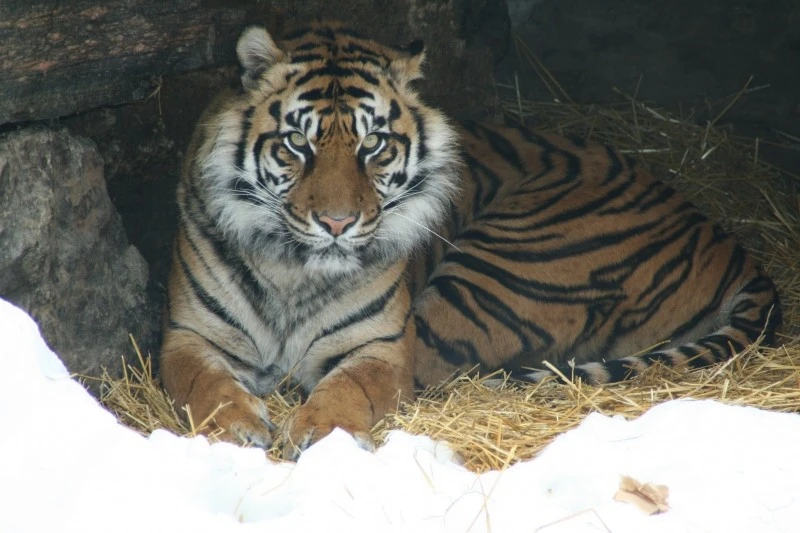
column 67, row 465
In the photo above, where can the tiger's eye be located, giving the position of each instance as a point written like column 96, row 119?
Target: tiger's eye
column 370, row 141
column 298, row 139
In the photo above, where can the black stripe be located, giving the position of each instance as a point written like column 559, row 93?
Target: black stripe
column 422, row 148
column 455, row 353
column 446, row 285
column 732, row 273
column 362, row 59
column 311, row 96
column 353, row 47
column 549, row 292
column 367, row 311
column 653, row 358
column 499, row 144
column 394, row 111
column 398, row 178
column 366, row 76
column 572, row 173
column 244, row 191
column 334, row 360
column 275, row 111
column 719, row 353
column 389, row 156
column 288, row 77
column 306, row 58
column 306, row 47
column 618, row 370
column 336, row 71
column 479, row 236
column 483, row 178
column 233, row 358
column 357, row 92
column 622, row 268
column 688, row 351
column 246, row 125
column 210, row 303
column 684, row 258
column 254, row 291
column 531, row 338
column 665, row 194
column 582, row 247
column 585, row 209
column 616, row 167
column 633, row 202
column 554, row 200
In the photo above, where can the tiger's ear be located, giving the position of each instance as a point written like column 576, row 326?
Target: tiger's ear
column 257, row 53
column 407, row 66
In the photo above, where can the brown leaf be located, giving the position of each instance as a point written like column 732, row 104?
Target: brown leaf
column 649, row 498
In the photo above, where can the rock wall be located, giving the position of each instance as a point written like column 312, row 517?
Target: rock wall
column 64, row 256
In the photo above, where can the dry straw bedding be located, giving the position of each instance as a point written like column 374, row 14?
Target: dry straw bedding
column 492, row 426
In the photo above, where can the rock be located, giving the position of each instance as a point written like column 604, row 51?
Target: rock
column 64, row 256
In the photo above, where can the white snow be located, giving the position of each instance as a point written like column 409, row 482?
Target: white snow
column 67, row 465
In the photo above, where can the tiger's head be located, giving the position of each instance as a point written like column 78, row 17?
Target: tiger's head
column 329, row 158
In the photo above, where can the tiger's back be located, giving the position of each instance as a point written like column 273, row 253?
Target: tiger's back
column 566, row 250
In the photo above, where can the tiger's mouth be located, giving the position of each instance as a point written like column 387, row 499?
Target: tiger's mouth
column 327, row 245
column 319, row 238
column 326, row 254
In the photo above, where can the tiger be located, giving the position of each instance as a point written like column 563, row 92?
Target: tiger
column 337, row 232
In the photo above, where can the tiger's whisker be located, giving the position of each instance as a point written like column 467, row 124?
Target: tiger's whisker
column 426, row 228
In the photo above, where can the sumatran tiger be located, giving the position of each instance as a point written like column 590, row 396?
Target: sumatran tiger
column 310, row 205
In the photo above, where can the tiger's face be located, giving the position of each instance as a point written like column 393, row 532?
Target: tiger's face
column 329, row 159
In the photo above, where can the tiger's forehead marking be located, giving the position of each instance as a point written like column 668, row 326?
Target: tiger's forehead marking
column 336, row 46
column 340, row 84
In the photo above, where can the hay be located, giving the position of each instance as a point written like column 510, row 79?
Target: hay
column 721, row 173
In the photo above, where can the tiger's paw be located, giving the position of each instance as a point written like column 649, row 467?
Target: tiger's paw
column 245, row 422
column 310, row 424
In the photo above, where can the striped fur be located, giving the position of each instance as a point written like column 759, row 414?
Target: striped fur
column 568, row 252
column 304, row 249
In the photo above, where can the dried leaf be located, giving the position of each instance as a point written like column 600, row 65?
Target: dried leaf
column 649, row 498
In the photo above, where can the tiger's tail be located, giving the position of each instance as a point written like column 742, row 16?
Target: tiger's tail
column 754, row 316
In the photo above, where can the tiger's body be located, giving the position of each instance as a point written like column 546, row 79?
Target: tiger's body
column 304, row 249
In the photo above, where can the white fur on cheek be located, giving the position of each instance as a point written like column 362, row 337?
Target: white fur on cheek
column 240, row 220
column 427, row 208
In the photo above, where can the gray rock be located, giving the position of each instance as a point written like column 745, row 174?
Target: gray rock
column 64, row 256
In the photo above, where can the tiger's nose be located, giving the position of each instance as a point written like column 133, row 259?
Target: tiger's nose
column 335, row 225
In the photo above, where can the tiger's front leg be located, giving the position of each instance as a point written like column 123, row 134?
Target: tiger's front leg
column 356, row 394
column 212, row 393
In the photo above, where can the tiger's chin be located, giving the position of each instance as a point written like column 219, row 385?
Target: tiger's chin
column 332, row 261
